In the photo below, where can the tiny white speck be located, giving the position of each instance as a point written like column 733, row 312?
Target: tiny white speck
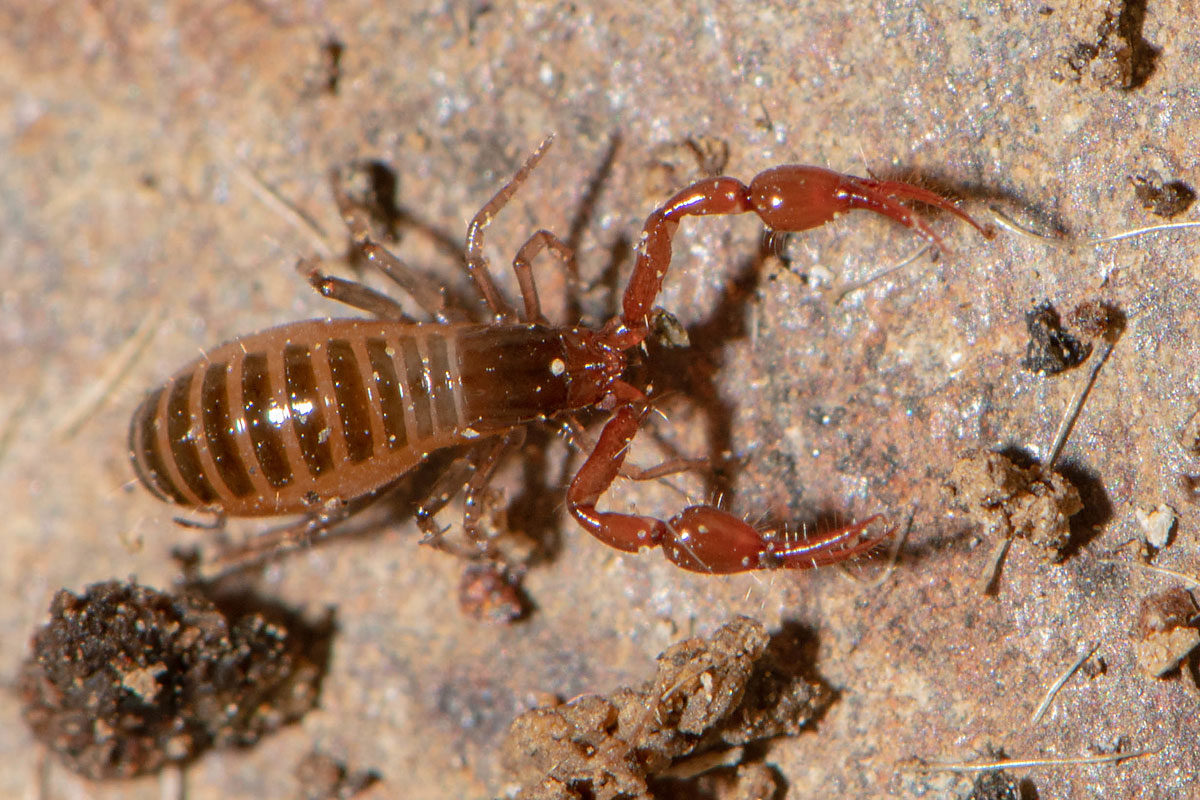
column 557, row 367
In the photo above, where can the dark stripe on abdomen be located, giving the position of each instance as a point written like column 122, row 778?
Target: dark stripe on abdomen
column 218, row 430
column 352, row 405
column 391, row 398
column 183, row 442
column 308, row 416
column 257, row 406
column 147, row 460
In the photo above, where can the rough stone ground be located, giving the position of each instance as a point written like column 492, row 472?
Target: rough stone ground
column 130, row 137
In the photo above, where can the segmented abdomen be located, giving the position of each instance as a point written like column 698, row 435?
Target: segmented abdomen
column 286, row 420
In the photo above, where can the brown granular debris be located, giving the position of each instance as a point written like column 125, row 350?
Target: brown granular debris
column 323, row 777
column 1162, row 198
column 1050, row 349
column 995, row 784
column 708, row 694
column 124, row 679
column 1097, row 319
column 1165, row 631
column 1108, row 50
column 1006, row 499
column 491, row 593
column 1189, row 434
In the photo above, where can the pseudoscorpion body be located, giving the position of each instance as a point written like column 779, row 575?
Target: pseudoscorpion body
column 314, row 417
